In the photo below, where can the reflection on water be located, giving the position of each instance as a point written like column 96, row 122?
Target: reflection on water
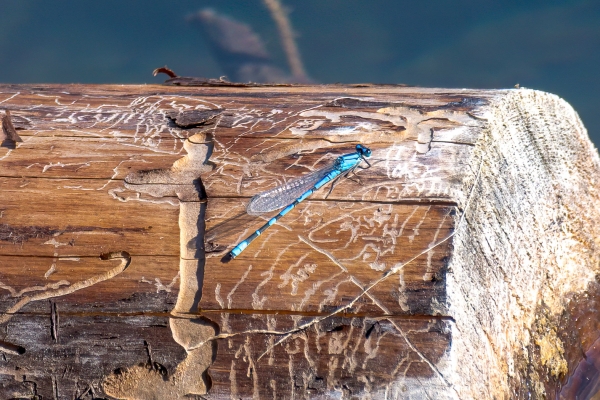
column 552, row 46
column 579, row 330
column 584, row 383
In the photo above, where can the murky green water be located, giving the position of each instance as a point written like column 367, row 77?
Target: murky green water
column 548, row 45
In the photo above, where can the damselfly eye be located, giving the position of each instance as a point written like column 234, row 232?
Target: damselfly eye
column 365, row 151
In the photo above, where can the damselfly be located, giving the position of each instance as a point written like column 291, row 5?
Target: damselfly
column 298, row 189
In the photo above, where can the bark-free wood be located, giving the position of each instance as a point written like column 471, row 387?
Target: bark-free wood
column 441, row 271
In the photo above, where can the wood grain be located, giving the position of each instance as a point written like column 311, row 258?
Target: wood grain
column 428, row 275
column 314, row 261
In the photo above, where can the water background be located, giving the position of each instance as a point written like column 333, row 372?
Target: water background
column 541, row 44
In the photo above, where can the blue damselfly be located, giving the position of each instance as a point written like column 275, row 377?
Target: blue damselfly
column 292, row 193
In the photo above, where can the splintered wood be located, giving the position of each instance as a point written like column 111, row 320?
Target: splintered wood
column 430, row 274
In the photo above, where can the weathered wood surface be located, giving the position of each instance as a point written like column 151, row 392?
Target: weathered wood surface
column 440, row 272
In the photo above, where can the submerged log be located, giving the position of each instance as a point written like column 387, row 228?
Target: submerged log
column 444, row 270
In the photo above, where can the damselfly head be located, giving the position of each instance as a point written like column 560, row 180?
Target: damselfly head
column 363, row 151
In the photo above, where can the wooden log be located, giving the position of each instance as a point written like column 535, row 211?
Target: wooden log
column 445, row 270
